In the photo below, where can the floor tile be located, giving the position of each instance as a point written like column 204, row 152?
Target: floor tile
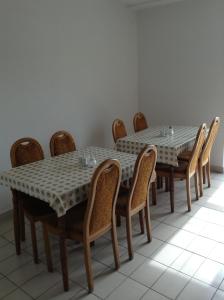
column 214, row 232
column 6, row 287
column 18, row 294
column 201, row 246
column 166, row 254
column 217, row 253
column 129, row 266
column 79, row 274
column 14, row 262
column 210, row 272
column 135, row 291
column 194, row 225
column 3, row 242
column 148, row 272
column 106, row 255
column 188, row 263
column 106, row 282
column 152, row 295
column 149, row 248
column 41, row 283
column 181, row 238
column 171, row 283
column 25, row 273
column 177, row 219
column 163, row 232
column 219, row 295
column 7, row 251
column 196, row 290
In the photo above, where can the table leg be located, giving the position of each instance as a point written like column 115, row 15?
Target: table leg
column 63, row 254
column 16, row 222
column 171, row 179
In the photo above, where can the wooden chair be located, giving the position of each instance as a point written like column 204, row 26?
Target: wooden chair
column 139, row 122
column 25, row 151
column 88, row 221
column 137, row 200
column 61, row 142
column 185, row 170
column 204, row 159
column 118, row 130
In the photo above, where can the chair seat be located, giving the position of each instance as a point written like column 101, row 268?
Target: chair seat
column 185, row 155
column 36, row 208
column 181, row 169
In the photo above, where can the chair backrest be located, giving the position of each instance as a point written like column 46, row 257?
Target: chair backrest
column 104, row 189
column 25, row 151
column 61, row 142
column 210, row 140
column 118, row 130
column 139, row 122
column 144, row 167
column 196, row 152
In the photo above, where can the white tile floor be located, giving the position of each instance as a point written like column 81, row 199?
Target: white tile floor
column 185, row 259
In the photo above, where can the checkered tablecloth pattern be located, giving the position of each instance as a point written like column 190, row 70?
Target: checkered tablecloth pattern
column 168, row 147
column 61, row 181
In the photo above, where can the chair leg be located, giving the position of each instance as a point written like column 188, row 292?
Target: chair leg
column 47, row 249
column 22, row 221
column 200, row 172
column 115, row 246
column 159, row 182
column 196, row 184
column 166, row 184
column 118, row 220
column 154, row 194
column 141, row 221
column 204, row 175
column 34, row 242
column 188, row 188
column 129, row 236
column 171, row 187
column 89, row 272
column 148, row 223
column 16, row 224
column 208, row 169
column 64, row 262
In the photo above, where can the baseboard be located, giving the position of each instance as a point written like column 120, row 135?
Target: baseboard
column 217, row 169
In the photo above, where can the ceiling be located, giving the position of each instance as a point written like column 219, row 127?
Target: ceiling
column 139, row 4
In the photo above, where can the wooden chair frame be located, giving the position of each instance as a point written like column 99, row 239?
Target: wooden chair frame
column 86, row 237
column 19, row 210
column 191, row 169
column 55, row 136
column 117, row 123
column 129, row 211
column 139, row 117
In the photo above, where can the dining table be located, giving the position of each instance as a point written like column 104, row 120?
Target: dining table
column 169, row 146
column 61, row 181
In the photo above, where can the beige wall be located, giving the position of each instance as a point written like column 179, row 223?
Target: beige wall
column 64, row 65
column 181, row 64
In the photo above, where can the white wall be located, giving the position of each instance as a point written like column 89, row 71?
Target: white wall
column 68, row 64
column 181, row 64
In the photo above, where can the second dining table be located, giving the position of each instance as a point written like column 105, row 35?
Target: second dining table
column 168, row 146
column 61, row 181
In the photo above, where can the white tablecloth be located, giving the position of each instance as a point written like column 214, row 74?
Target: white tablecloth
column 168, row 147
column 61, row 181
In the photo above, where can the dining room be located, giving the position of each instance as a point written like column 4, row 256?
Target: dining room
column 112, row 153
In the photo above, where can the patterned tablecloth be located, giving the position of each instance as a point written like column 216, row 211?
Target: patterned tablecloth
column 61, row 181
column 168, row 147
